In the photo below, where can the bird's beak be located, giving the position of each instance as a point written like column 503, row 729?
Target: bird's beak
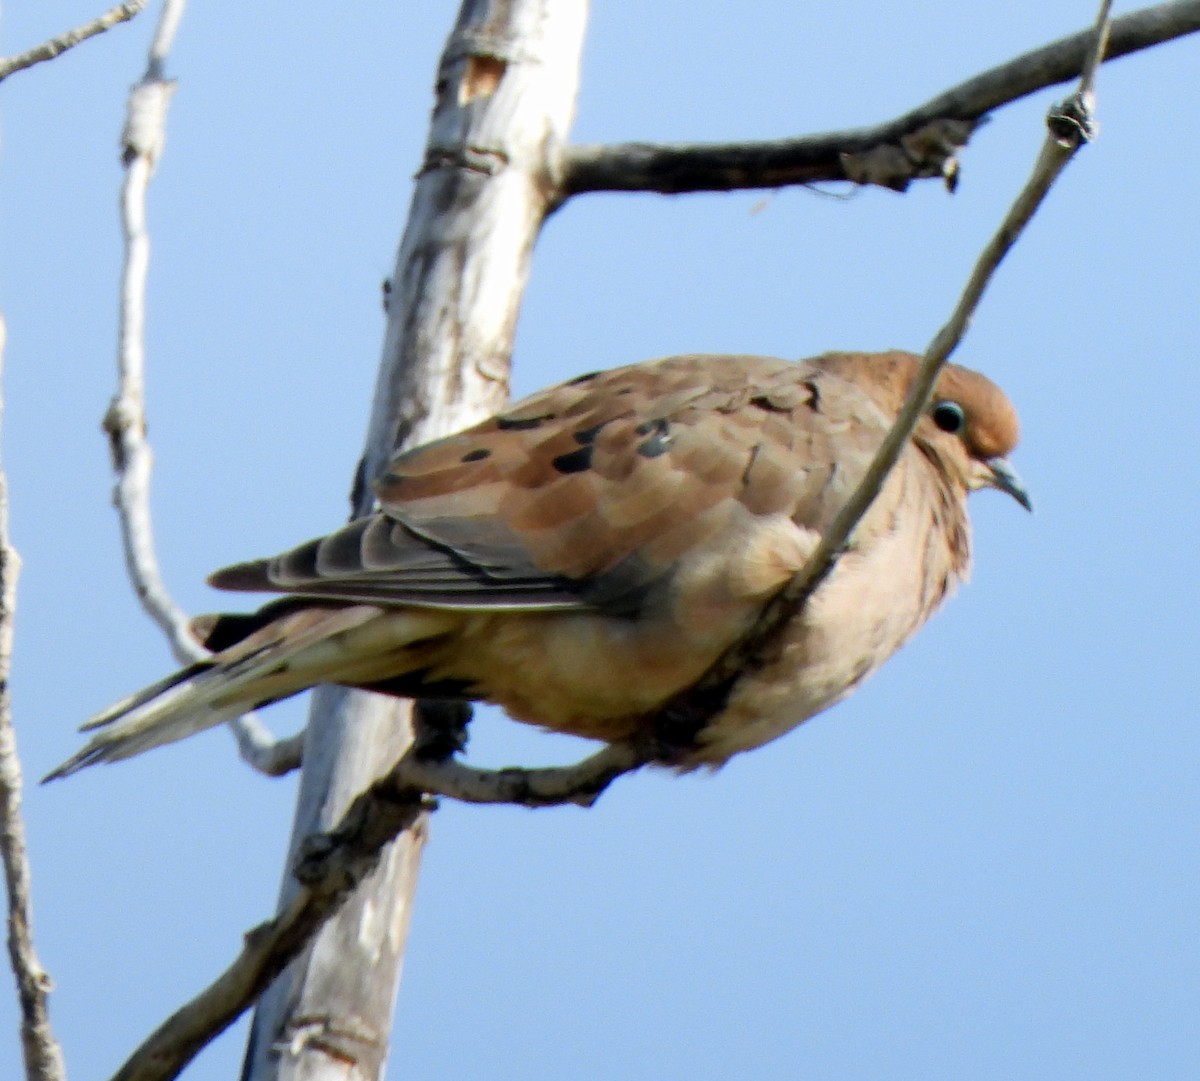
column 1004, row 478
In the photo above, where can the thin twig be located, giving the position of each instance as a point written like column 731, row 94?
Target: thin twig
column 125, row 421
column 920, row 143
column 1070, row 126
column 48, row 50
column 43, row 1056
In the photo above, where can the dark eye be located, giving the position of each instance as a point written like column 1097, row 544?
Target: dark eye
column 949, row 417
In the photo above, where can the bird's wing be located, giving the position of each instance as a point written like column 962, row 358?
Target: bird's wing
column 591, row 493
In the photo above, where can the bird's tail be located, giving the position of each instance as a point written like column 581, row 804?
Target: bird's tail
column 265, row 657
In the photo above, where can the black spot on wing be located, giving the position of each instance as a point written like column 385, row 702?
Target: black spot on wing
column 659, row 442
column 587, row 377
column 522, row 424
column 588, row 435
column 575, row 461
column 476, row 455
column 659, row 425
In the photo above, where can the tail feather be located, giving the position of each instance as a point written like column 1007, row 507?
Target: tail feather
column 146, row 720
column 300, row 648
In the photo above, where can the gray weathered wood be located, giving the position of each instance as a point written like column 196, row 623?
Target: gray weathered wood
column 505, row 98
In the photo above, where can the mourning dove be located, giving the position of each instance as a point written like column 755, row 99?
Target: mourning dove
column 589, row 553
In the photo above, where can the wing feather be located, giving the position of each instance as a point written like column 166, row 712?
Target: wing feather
column 587, row 494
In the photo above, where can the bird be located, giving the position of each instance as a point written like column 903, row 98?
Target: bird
column 584, row 556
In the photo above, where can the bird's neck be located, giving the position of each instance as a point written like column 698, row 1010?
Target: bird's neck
column 951, row 522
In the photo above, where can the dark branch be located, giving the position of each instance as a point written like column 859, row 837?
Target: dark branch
column 921, row 143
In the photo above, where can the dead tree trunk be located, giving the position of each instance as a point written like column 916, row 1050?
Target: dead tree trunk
column 505, row 96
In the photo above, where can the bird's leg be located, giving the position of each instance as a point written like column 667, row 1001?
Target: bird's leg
column 678, row 724
column 440, row 728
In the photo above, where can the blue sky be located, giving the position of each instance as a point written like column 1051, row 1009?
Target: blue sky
column 982, row 865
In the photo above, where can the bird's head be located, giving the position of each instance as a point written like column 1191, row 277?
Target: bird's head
column 969, row 429
column 972, row 427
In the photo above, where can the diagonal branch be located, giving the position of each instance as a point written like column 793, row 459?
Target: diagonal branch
column 125, row 421
column 332, row 865
column 48, row 50
column 43, row 1056
column 1070, row 126
column 920, row 143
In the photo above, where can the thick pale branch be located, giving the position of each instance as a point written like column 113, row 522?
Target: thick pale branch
column 504, row 96
column 125, row 421
column 921, row 143
column 48, row 50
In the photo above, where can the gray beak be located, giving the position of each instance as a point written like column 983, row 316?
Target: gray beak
column 1005, row 479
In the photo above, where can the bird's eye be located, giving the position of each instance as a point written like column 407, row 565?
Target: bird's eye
column 949, row 416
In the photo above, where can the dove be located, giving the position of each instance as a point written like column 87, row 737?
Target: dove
column 589, row 553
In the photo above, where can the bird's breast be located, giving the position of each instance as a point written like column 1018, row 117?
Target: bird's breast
column 871, row 604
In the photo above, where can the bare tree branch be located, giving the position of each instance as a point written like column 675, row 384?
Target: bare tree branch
column 48, row 50
column 581, row 784
column 263, row 751
column 125, row 421
column 922, row 143
column 504, row 95
column 43, row 1056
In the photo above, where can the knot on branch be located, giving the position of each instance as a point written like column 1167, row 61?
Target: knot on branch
column 336, row 862
column 1072, row 122
column 145, row 125
column 931, row 150
column 485, row 160
column 120, row 419
column 336, row 1039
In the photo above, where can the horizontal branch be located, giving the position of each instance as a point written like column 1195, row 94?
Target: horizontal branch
column 921, row 143
column 48, row 50
column 580, row 784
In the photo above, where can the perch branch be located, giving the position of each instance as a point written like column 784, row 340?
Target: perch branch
column 921, row 143
column 125, row 421
column 48, row 50
column 43, row 1056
